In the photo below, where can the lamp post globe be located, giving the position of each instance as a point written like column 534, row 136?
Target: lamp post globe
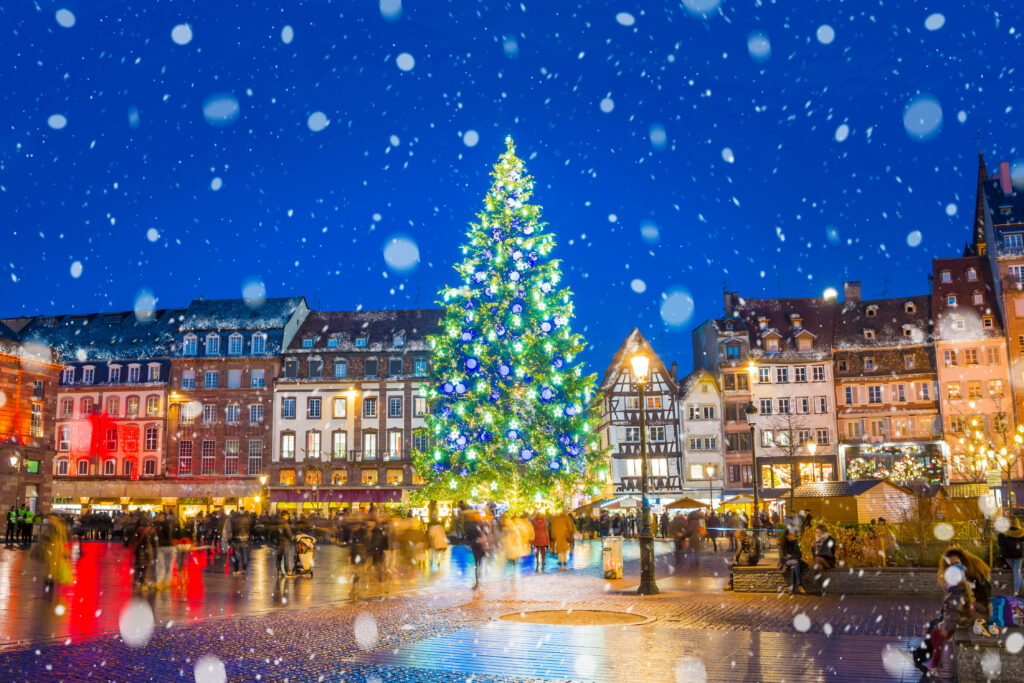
column 641, row 367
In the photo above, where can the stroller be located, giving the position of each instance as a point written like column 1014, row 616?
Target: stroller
column 304, row 547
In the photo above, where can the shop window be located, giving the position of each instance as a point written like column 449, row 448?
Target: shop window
column 287, row 478
column 369, row 477
column 394, row 477
column 339, row 477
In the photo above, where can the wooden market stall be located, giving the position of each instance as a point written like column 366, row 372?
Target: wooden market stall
column 686, row 504
column 855, row 502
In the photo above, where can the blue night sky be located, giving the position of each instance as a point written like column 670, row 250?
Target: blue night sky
column 764, row 144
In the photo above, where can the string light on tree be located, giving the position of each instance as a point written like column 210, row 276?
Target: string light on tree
column 512, row 414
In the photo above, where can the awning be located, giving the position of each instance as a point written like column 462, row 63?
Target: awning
column 687, row 504
column 143, row 488
column 359, row 495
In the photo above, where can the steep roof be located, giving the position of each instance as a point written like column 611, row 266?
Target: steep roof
column 887, row 319
column 1004, row 209
column 815, row 315
column 105, row 336
column 687, row 384
column 634, row 343
column 239, row 314
column 837, row 489
column 380, row 326
column 971, row 314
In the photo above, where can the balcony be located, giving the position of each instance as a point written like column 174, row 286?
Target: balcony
column 668, row 484
column 399, row 456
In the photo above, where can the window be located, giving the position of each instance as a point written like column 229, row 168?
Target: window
column 340, row 368
column 900, row 392
column 818, row 373
column 88, row 375
column 971, row 358
column 924, row 391
column 729, row 381
column 152, row 437
column 959, row 323
column 908, row 331
column 369, row 407
column 419, row 406
column 184, row 457
column 86, row 406
column 995, row 388
column 313, row 477
column 313, row 444
column 821, row 404
column 234, row 379
column 1013, row 241
column 369, row 445
column 395, row 406
column 420, row 440
column 953, row 389
column 767, row 438
column 988, row 322
column 315, row 368
column 67, row 376
column 255, row 457
column 287, row 478
column 259, row 344
column 803, row 436
column 772, row 345
column 307, row 343
column 394, row 445
column 977, row 298
column 992, row 356
column 871, row 311
column 256, row 413
column 188, row 412
column 632, row 435
column 339, row 407
column 288, row 408
column 287, row 446
column 874, row 394
column 291, row 369
column 972, row 275
column 212, row 345
column 974, row 389
column 395, row 367
column 339, row 444
column 64, row 439
column 369, row 477
column 210, row 379
column 841, row 365
column 800, row 374
column 149, row 467
column 207, row 457
column 114, row 374
column 132, row 406
column 654, row 403
column 766, row 406
column 332, row 343
column 784, row 406
column 869, row 334
column 851, row 395
column 949, row 359
column 83, row 467
column 110, row 467
column 702, row 412
column 339, row 477
column 256, row 379
column 781, row 375
column 370, row 368
column 703, row 443
column 764, row 375
column 803, row 405
column 361, row 342
column 656, row 433
column 394, row 477
column 152, row 405
column 112, row 406
column 908, row 362
column 999, row 422
column 154, row 373
column 188, row 379
column 209, row 413
column 869, row 364
column 951, row 299
column 1016, row 272
column 632, row 403
column 231, row 456
column 945, row 276
column 235, row 345
column 67, row 407
column 232, row 413
column 742, row 381
column 419, row 367
column 313, row 408
column 821, row 437
column 957, row 424
column 732, row 351
column 189, row 346
column 133, row 374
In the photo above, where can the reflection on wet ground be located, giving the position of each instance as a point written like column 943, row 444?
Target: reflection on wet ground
column 103, row 585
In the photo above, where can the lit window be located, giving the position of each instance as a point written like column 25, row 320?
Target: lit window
column 945, row 276
column 972, row 275
column 340, row 407
column 287, row 446
column 88, row 375
column 188, row 379
column 951, row 300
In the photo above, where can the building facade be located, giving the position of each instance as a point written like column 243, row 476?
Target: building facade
column 886, row 394
column 973, row 367
column 702, row 437
column 620, row 424
column 225, row 360
column 28, row 387
column 349, row 409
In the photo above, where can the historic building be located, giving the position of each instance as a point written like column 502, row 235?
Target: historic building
column 721, row 347
column 620, row 423
column 702, row 437
column 28, row 388
column 110, row 407
column 349, row 409
column 886, row 397
column 973, row 367
column 225, row 360
column 792, row 388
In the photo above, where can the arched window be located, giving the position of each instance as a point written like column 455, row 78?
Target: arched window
column 235, row 344
column 83, row 467
column 149, row 467
column 259, row 344
column 109, row 467
column 87, row 404
column 212, row 344
column 63, row 465
column 129, row 467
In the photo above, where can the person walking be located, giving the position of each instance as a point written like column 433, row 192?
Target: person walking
column 164, row 550
column 1011, row 547
column 791, row 560
column 240, row 535
column 663, row 524
column 51, row 553
column 143, row 544
column 541, row 540
column 714, row 523
column 604, row 524
column 562, row 530
column 477, row 532
column 284, row 545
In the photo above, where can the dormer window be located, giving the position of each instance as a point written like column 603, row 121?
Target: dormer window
column 259, row 344
column 910, row 307
column 762, row 323
column 951, row 299
column 307, row 343
column 728, row 326
column 235, row 344
column 959, row 323
column 988, row 322
column 189, row 345
column 771, row 345
column 869, row 364
column 977, row 298
column 212, row 345
column 332, row 343
column 908, row 331
column 1014, row 241
column 362, row 342
column 869, row 334
column 797, row 320
column 972, row 275
column 804, row 343
column 945, row 276
column 871, row 311
column 398, row 340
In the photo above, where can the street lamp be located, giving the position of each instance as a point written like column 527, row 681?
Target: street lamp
column 751, row 414
column 710, row 469
column 811, row 448
column 16, row 464
column 641, row 365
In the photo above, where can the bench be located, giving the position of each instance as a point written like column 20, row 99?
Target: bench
column 981, row 658
column 916, row 581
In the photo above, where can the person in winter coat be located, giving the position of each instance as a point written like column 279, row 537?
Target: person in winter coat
column 541, row 541
column 1011, row 547
column 50, row 552
column 283, row 539
column 823, row 550
column 477, row 531
column 562, row 530
column 241, row 546
column 437, row 542
column 663, row 526
column 164, row 550
column 143, row 544
column 791, row 560
column 979, row 575
column 956, row 605
column 604, row 524
column 748, row 553
column 713, row 522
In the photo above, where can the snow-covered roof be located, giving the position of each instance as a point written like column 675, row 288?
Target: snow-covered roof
column 378, row 328
column 964, row 320
column 688, row 383
column 634, row 343
column 239, row 314
column 105, row 336
column 815, row 313
column 886, row 319
column 1004, row 209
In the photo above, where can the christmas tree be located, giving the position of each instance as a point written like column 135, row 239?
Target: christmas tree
column 512, row 416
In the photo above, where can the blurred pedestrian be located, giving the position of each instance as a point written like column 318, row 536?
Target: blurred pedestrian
column 562, row 530
column 51, row 553
column 1011, row 547
column 541, row 540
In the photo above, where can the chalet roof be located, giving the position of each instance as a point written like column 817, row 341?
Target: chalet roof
column 815, row 313
column 687, row 384
column 839, row 489
column 887, row 318
column 634, row 343
column 945, row 314
column 378, row 327
column 239, row 314
column 105, row 336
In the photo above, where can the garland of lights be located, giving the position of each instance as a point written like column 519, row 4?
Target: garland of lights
column 906, row 469
column 512, row 417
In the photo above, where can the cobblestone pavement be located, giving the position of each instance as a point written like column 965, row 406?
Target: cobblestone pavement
column 438, row 630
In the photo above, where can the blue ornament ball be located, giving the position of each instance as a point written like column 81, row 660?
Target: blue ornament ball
column 504, row 370
column 447, row 387
column 467, row 335
column 460, row 388
column 472, row 364
column 485, row 436
column 547, row 393
column 512, row 434
column 570, row 411
column 557, row 362
column 546, row 326
column 526, row 454
column 517, row 307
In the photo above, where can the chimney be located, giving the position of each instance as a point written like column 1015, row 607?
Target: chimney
column 727, row 295
column 675, row 373
column 1004, row 177
column 851, row 291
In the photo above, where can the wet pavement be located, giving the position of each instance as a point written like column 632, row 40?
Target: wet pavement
column 434, row 628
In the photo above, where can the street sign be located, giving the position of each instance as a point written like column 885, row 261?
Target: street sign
column 993, row 478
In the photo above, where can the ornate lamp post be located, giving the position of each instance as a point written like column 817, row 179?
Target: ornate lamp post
column 641, row 365
column 710, row 469
column 750, row 412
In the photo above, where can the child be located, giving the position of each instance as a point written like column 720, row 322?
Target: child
column 956, row 607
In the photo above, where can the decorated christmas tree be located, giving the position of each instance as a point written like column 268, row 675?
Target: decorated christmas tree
column 512, row 416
